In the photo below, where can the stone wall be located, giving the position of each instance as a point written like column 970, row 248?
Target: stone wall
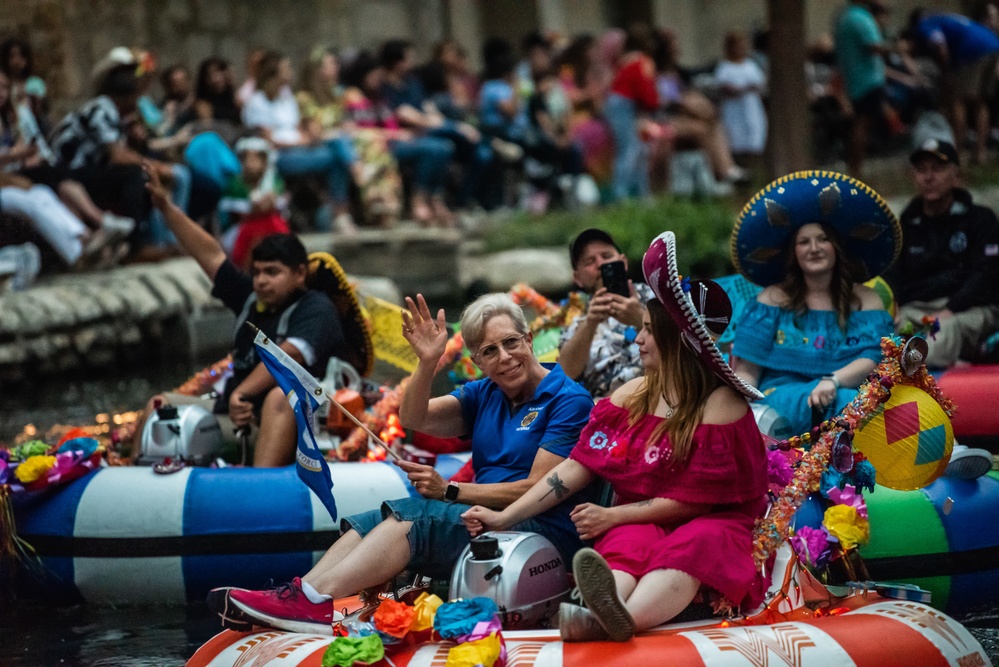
column 71, row 35
column 103, row 320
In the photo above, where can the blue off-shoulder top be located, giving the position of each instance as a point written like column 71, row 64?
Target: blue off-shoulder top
column 811, row 343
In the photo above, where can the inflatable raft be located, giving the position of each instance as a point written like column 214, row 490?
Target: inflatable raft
column 870, row 632
column 126, row 535
column 100, row 538
column 944, row 538
column 974, row 389
column 803, row 623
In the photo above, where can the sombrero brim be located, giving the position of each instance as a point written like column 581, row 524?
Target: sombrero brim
column 870, row 233
column 327, row 276
column 662, row 275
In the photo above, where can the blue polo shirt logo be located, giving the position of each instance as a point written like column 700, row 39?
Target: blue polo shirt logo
column 528, row 419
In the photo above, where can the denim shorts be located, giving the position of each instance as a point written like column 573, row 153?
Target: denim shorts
column 438, row 536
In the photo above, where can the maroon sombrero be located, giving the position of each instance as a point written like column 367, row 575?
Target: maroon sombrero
column 700, row 308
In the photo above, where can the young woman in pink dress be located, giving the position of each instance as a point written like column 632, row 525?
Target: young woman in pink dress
column 687, row 464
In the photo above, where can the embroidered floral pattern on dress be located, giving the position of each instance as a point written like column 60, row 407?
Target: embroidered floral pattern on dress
column 661, row 451
column 599, row 440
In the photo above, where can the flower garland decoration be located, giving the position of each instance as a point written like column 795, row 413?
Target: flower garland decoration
column 524, row 295
column 549, row 314
column 472, row 625
column 813, row 471
column 355, row 446
column 203, row 381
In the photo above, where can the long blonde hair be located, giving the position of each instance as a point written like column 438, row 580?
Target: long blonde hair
column 680, row 375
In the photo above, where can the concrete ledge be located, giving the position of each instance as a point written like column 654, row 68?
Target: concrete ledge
column 545, row 269
column 416, row 259
column 124, row 315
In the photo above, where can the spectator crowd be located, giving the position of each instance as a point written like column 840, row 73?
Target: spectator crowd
column 356, row 137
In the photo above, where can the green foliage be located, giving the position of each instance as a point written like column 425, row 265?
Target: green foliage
column 702, row 231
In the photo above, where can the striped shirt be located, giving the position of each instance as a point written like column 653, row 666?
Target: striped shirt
column 84, row 136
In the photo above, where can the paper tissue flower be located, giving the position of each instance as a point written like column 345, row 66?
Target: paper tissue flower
column 482, row 652
column 425, row 608
column 460, row 617
column 843, row 523
column 345, row 651
column 33, row 468
column 393, row 618
column 812, row 546
column 848, row 496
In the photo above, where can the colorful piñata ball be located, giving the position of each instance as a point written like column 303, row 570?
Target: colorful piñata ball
column 908, row 441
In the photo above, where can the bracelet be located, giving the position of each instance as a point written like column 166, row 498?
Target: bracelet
column 832, row 378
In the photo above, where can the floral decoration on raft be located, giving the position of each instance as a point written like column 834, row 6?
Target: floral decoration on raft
column 813, row 470
column 472, row 627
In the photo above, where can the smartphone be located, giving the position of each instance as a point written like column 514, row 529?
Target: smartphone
column 615, row 278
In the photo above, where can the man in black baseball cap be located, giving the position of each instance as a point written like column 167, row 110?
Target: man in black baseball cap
column 948, row 269
column 598, row 348
column 942, row 151
column 949, row 265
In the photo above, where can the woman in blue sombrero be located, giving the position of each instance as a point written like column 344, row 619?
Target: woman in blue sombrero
column 813, row 334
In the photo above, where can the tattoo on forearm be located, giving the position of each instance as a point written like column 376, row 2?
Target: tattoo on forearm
column 643, row 503
column 558, row 487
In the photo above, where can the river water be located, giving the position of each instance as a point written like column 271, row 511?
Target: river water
column 39, row 635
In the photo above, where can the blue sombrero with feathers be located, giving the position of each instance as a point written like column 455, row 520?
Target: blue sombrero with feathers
column 869, row 232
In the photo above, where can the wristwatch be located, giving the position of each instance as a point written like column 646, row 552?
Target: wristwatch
column 832, row 378
column 451, row 493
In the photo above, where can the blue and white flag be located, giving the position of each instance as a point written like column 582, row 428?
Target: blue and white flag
column 304, row 395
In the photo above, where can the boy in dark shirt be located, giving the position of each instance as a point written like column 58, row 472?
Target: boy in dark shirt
column 275, row 299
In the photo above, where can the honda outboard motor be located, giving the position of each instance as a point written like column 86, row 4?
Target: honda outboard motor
column 771, row 422
column 185, row 432
column 522, row 572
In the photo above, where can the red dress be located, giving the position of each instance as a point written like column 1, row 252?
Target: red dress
column 726, row 469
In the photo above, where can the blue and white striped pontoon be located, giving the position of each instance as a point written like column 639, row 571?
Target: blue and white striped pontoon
column 126, row 535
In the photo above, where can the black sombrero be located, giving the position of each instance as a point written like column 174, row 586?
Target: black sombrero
column 327, row 276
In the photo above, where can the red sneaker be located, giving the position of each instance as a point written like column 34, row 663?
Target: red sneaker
column 286, row 608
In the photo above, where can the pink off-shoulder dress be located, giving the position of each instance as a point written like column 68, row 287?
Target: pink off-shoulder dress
column 726, row 469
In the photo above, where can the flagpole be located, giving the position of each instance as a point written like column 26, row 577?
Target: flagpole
column 347, row 413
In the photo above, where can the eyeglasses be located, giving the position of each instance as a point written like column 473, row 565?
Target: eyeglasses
column 489, row 353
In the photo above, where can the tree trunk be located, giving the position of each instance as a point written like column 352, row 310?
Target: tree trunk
column 789, row 119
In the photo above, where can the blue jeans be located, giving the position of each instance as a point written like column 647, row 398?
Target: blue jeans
column 331, row 159
column 475, row 159
column 158, row 234
column 429, row 159
column 438, row 535
column 631, row 157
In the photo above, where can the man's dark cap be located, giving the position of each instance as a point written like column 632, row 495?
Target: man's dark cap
column 585, row 238
column 941, row 150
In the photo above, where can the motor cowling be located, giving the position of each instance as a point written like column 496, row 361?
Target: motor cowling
column 522, row 572
column 771, row 422
column 184, row 432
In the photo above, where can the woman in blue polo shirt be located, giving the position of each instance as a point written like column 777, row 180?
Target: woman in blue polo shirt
column 524, row 419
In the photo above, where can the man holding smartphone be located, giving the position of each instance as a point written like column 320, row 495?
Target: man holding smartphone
column 598, row 348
